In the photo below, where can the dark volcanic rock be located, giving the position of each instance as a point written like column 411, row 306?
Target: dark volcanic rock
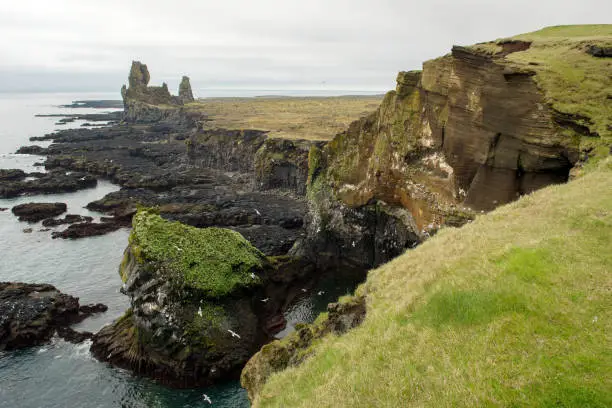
column 185, row 94
column 86, row 229
column 34, row 212
column 95, row 104
column 68, row 219
column 46, row 183
column 192, row 320
column 599, row 51
column 31, row 313
column 34, row 149
column 11, row 174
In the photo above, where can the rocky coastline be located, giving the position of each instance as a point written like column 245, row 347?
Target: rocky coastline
column 271, row 214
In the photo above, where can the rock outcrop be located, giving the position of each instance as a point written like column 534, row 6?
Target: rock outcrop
column 149, row 104
column 30, row 314
column 14, row 183
column 34, row 212
column 295, row 348
column 185, row 94
column 192, row 319
column 272, row 163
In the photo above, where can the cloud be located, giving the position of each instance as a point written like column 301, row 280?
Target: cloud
column 359, row 44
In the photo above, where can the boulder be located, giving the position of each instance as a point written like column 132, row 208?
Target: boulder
column 34, row 212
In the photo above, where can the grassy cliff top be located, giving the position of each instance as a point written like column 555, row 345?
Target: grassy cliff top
column 311, row 118
column 216, row 261
column 573, row 81
column 510, row 310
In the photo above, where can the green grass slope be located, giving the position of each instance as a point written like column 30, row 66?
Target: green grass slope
column 513, row 310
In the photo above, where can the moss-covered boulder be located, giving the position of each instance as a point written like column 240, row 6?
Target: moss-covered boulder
column 192, row 319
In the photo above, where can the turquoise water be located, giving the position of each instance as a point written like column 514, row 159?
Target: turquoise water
column 61, row 374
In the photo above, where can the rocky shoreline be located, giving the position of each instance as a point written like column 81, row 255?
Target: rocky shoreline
column 229, row 225
column 30, row 314
column 240, row 180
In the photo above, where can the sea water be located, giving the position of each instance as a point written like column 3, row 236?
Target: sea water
column 61, row 374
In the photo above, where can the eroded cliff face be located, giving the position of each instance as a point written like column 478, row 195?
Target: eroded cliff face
column 272, row 164
column 468, row 133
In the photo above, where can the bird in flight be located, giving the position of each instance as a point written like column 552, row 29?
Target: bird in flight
column 233, row 333
column 265, row 300
column 206, row 398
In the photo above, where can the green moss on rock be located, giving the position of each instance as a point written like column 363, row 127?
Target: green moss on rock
column 214, row 261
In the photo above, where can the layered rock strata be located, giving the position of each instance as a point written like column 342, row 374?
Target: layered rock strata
column 468, row 133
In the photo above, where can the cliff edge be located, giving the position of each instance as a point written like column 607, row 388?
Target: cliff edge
column 475, row 129
column 509, row 310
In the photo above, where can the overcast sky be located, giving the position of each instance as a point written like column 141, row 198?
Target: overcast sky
column 256, row 44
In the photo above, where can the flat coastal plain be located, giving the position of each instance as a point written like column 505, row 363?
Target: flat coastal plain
column 310, row 118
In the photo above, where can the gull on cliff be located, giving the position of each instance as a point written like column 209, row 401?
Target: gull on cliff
column 206, row 398
column 320, row 293
column 233, row 333
column 252, row 275
column 257, row 211
column 304, row 290
column 200, row 311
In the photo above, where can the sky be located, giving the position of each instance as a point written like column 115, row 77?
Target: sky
column 72, row 45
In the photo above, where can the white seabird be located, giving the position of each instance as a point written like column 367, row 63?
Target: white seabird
column 258, row 213
column 206, row 398
column 233, row 333
column 265, row 300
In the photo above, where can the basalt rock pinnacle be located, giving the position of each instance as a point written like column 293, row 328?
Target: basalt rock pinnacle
column 149, row 104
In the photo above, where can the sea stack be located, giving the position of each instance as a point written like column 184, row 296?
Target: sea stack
column 150, row 104
column 185, row 93
column 191, row 319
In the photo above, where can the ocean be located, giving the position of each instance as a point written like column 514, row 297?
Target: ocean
column 62, row 374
